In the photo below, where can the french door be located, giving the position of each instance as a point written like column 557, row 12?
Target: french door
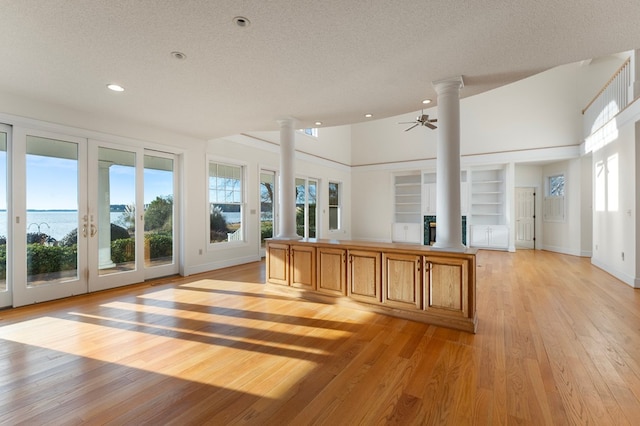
column 306, row 207
column 6, row 294
column 268, row 204
column 79, row 224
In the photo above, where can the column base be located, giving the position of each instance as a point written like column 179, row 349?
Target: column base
column 458, row 248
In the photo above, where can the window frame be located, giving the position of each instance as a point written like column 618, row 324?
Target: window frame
column 554, row 205
column 243, row 202
column 337, row 206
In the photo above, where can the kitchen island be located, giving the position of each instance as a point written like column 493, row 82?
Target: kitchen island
column 403, row 280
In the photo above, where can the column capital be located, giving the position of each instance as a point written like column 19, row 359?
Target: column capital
column 284, row 122
column 448, row 83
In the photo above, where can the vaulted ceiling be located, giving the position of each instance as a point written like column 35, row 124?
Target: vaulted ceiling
column 331, row 61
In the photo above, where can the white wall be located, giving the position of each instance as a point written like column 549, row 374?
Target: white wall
column 614, row 205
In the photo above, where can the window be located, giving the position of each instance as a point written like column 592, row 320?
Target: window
column 311, row 131
column 225, row 202
column 556, row 186
column 334, row 206
column 554, row 201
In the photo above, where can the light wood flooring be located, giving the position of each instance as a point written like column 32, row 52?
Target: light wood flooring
column 558, row 342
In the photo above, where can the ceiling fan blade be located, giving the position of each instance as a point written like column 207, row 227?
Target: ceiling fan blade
column 406, row 122
column 406, row 130
column 429, row 125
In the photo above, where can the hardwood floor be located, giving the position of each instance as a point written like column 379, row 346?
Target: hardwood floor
column 558, row 342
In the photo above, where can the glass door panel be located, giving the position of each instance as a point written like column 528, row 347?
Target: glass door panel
column 312, row 208
column 159, row 217
column 116, row 211
column 115, row 234
column 306, row 207
column 52, row 211
column 267, row 206
column 48, row 251
column 5, row 287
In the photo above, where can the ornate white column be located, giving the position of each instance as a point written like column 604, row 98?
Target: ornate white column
column 287, row 199
column 104, row 216
column 448, row 209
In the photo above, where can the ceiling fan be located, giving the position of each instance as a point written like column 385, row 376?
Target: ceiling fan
column 421, row 120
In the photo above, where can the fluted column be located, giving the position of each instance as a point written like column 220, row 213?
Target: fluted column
column 448, row 209
column 287, row 199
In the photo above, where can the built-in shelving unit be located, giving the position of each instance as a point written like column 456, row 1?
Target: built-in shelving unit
column 488, row 226
column 487, row 197
column 408, row 201
column 407, row 226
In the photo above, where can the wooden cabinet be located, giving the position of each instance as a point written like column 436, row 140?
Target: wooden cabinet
column 364, row 279
column 291, row 265
column 277, row 264
column 401, row 280
column 446, row 285
column 332, row 273
column 302, row 271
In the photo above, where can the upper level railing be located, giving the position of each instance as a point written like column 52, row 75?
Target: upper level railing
column 610, row 100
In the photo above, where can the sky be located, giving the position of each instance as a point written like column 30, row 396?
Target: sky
column 52, row 183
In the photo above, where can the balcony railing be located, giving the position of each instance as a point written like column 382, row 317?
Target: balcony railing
column 609, row 101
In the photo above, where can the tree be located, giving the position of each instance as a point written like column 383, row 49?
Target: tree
column 159, row 215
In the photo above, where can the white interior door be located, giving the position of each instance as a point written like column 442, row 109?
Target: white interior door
column 525, row 217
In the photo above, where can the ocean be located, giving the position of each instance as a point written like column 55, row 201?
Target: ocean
column 57, row 224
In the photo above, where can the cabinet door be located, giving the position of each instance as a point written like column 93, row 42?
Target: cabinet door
column 479, row 236
column 303, row 272
column 332, row 273
column 278, row 263
column 446, row 285
column 499, row 235
column 364, row 275
column 401, row 280
column 430, row 198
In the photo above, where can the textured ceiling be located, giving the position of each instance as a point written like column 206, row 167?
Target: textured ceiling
column 330, row 60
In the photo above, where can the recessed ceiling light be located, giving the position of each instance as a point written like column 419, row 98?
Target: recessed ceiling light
column 368, row 115
column 115, row 87
column 426, row 101
column 178, row 55
column 318, row 123
column 241, row 21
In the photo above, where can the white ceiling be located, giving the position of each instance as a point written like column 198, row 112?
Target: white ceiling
column 326, row 60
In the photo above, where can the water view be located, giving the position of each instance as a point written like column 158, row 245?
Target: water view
column 58, row 223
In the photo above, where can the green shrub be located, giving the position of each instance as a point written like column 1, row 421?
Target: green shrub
column 123, row 250
column 42, row 259
column 160, row 245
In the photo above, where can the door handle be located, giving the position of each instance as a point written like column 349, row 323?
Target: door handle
column 93, row 230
